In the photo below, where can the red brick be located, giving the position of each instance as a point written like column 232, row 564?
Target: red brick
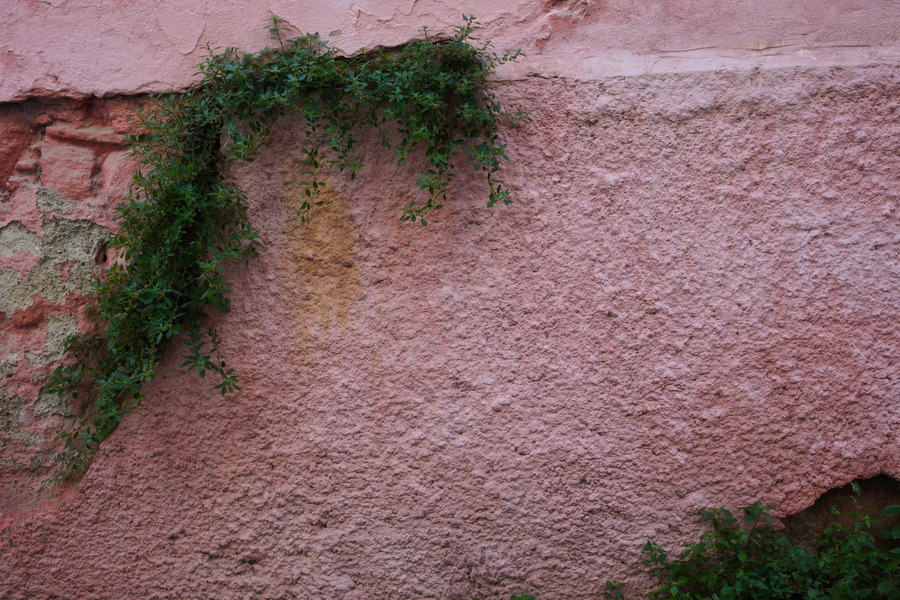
column 119, row 112
column 67, row 168
column 15, row 136
column 87, row 135
column 118, row 169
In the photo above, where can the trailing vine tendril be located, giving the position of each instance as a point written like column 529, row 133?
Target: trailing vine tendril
column 184, row 221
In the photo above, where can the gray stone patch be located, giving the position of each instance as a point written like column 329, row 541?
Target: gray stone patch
column 11, row 465
column 50, row 200
column 49, row 403
column 10, row 405
column 16, row 291
column 59, row 327
column 16, row 236
column 81, row 278
column 26, row 439
column 8, row 296
column 65, row 240
column 9, row 366
column 75, row 240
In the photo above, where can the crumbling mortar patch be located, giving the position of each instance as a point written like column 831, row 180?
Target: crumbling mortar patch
column 76, row 242
column 50, row 200
column 16, row 236
column 10, row 407
column 11, row 465
column 59, row 327
column 9, row 366
column 50, row 403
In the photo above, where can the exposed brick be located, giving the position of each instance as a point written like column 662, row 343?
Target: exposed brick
column 89, row 135
column 29, row 161
column 67, row 168
column 117, row 170
column 41, row 120
column 15, row 136
column 119, row 113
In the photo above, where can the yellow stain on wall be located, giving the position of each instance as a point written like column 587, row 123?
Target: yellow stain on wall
column 322, row 266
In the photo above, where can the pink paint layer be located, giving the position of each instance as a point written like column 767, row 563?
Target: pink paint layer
column 691, row 303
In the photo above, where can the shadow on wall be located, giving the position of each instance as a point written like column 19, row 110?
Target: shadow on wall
column 805, row 527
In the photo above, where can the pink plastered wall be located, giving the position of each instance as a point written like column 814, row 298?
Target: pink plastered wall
column 692, row 302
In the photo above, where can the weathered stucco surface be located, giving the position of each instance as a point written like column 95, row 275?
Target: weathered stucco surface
column 692, row 302
column 110, row 47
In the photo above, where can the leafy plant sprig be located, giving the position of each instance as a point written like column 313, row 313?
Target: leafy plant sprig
column 750, row 560
column 184, row 221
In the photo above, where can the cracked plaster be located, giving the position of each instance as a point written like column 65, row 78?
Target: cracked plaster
column 583, row 39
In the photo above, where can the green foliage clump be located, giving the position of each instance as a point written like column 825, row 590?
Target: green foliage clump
column 750, row 560
column 184, row 221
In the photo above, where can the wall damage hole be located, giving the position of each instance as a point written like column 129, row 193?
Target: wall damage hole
column 102, row 256
column 806, row 527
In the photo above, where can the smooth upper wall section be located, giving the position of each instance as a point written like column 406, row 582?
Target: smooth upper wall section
column 81, row 48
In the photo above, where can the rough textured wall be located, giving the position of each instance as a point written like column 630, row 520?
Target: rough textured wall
column 693, row 302
column 64, row 166
column 116, row 47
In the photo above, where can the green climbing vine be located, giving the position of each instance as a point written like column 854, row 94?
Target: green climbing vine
column 184, row 221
